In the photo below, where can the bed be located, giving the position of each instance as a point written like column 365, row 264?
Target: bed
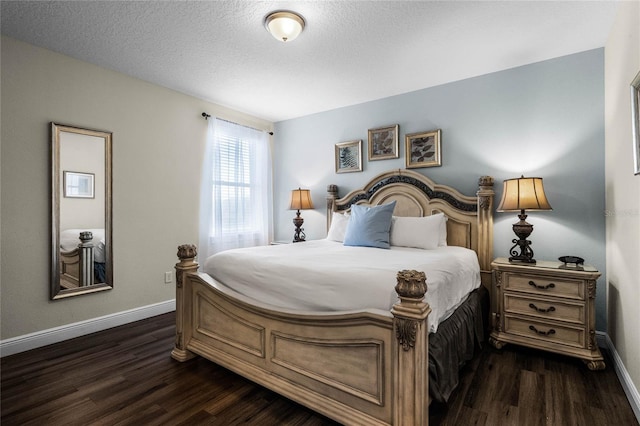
column 358, row 366
column 71, row 260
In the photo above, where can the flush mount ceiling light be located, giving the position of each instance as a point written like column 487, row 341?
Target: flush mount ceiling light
column 284, row 25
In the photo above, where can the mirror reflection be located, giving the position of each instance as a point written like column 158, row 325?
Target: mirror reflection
column 81, row 211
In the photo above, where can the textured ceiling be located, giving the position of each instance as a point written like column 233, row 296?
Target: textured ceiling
column 350, row 51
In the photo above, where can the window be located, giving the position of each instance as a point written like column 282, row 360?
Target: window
column 236, row 188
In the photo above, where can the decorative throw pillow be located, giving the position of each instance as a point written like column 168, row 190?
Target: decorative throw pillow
column 419, row 232
column 339, row 222
column 369, row 226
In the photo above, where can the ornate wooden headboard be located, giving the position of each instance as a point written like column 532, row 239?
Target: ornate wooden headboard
column 470, row 219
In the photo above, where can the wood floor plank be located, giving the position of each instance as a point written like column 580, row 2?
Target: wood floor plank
column 125, row 376
column 531, row 401
column 557, row 411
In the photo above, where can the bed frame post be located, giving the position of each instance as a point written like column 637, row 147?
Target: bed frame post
column 186, row 254
column 86, row 259
column 411, row 366
column 332, row 196
column 485, row 228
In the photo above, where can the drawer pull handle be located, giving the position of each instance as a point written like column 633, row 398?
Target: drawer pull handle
column 542, row 310
column 543, row 333
column 542, row 287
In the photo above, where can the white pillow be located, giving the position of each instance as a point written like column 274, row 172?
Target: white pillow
column 427, row 232
column 443, row 230
column 338, row 228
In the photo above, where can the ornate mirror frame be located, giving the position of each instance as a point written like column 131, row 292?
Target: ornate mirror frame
column 635, row 122
column 81, row 179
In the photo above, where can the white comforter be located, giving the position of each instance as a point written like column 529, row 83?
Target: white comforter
column 325, row 275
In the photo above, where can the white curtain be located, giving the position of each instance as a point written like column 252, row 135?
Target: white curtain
column 235, row 196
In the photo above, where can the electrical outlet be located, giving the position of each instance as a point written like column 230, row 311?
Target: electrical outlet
column 168, row 277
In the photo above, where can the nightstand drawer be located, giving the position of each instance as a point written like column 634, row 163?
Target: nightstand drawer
column 545, row 308
column 538, row 284
column 548, row 332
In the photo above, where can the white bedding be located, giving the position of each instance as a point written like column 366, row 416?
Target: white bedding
column 324, row 275
column 70, row 238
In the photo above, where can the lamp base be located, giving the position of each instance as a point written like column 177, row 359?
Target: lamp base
column 298, row 235
column 522, row 229
column 526, row 257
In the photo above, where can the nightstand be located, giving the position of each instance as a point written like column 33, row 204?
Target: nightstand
column 547, row 305
column 277, row 243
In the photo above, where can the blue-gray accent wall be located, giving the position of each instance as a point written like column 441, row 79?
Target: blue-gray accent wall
column 545, row 119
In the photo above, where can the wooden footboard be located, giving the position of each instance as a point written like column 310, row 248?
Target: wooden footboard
column 359, row 368
column 70, row 269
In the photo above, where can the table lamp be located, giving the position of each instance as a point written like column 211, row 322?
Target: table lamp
column 520, row 194
column 300, row 200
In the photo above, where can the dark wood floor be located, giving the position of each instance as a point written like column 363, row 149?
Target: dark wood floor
column 124, row 376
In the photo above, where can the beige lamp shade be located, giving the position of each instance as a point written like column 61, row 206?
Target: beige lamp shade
column 523, row 193
column 284, row 26
column 301, row 199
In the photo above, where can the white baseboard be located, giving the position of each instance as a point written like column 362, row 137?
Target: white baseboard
column 623, row 375
column 38, row 339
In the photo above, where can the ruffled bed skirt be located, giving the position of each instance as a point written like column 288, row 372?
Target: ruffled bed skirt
column 455, row 343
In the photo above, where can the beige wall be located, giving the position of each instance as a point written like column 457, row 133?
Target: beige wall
column 622, row 62
column 158, row 140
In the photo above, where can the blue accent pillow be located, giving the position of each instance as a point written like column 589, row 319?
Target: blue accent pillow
column 369, row 226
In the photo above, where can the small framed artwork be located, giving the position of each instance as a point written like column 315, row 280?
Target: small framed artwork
column 78, row 185
column 423, row 149
column 383, row 143
column 635, row 122
column 349, row 156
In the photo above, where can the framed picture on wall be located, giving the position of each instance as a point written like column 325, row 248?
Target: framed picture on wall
column 383, row 143
column 635, row 122
column 423, row 149
column 78, row 185
column 349, row 156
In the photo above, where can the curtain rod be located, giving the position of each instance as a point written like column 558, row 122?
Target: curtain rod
column 206, row 117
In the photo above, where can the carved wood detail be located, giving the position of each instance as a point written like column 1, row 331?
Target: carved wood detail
column 592, row 339
column 430, row 192
column 594, row 365
column 406, row 333
column 187, row 252
column 485, row 193
column 496, row 343
column 411, row 288
column 591, row 289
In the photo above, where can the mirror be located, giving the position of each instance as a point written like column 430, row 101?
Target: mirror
column 81, row 244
